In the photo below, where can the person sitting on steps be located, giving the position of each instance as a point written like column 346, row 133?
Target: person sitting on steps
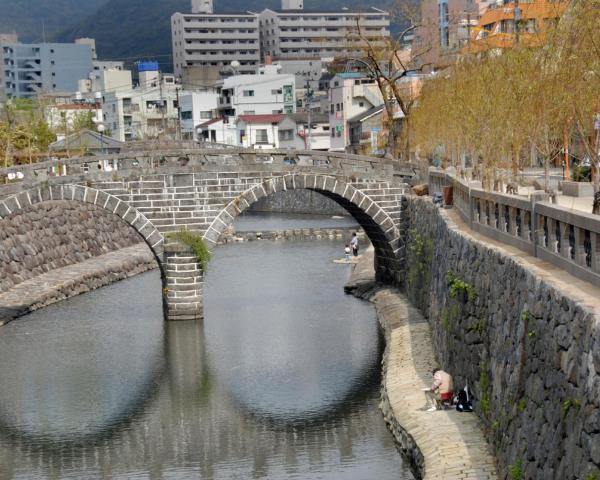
column 440, row 390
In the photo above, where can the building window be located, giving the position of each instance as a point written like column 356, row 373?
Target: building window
column 332, row 108
column 186, row 115
column 206, row 115
column 286, row 135
column 248, row 93
column 361, row 104
column 262, row 136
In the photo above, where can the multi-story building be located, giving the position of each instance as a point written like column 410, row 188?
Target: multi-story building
column 267, row 92
column 213, row 41
column 502, row 22
column 295, row 33
column 445, row 28
column 5, row 39
column 29, row 69
column 147, row 111
column 196, row 108
column 350, row 94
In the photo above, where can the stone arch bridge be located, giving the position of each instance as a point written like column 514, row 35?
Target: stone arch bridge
column 157, row 192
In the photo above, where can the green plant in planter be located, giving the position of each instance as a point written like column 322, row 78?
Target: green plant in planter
column 196, row 243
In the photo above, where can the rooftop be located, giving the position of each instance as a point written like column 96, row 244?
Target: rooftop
column 338, row 11
column 268, row 118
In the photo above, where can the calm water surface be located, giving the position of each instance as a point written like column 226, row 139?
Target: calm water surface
column 280, row 381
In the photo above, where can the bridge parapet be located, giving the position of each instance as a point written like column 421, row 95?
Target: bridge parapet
column 143, row 162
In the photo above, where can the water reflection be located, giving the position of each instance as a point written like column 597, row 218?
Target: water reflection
column 101, row 387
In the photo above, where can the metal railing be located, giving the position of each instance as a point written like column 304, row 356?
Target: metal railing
column 566, row 238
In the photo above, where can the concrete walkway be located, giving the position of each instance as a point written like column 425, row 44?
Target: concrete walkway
column 65, row 282
column 449, row 444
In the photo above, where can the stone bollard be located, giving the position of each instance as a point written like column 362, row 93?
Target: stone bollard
column 183, row 281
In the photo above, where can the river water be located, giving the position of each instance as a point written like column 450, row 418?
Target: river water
column 280, row 381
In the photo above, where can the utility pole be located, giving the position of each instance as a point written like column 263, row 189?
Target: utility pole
column 162, row 103
column 468, row 29
column 178, row 127
column 517, row 16
column 307, row 103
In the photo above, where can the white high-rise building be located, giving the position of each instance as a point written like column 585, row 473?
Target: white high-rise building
column 294, row 33
column 209, row 40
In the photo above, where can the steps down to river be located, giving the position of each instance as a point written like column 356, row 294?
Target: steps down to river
column 442, row 444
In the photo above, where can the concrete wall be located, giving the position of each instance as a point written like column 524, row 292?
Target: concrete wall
column 54, row 234
column 528, row 349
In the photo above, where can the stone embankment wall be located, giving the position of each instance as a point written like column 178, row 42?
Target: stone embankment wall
column 529, row 350
column 298, row 201
column 72, row 280
column 55, row 234
column 341, row 234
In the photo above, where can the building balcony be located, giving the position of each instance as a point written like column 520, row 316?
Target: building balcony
column 131, row 108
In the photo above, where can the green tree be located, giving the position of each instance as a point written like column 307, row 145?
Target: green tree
column 84, row 121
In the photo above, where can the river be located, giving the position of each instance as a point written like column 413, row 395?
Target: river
column 280, row 381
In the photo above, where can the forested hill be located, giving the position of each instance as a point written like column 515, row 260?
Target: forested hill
column 32, row 18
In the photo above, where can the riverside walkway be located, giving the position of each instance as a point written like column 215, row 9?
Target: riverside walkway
column 449, row 444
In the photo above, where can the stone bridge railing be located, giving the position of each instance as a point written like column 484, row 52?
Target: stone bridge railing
column 566, row 238
column 205, row 159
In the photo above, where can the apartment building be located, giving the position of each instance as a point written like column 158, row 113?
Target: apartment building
column 213, row 41
column 146, row 111
column 29, row 69
column 264, row 93
column 295, row 33
column 5, row 39
column 350, row 94
column 497, row 26
column 444, row 31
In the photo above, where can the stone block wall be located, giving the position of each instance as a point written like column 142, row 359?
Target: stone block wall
column 183, row 284
column 298, row 201
column 55, row 234
column 529, row 351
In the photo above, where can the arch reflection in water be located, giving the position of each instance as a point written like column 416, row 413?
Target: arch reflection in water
column 195, row 423
column 72, row 376
column 286, row 341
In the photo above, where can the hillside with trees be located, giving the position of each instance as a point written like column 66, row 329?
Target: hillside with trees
column 31, row 19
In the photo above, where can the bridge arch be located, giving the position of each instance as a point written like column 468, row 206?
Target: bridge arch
column 79, row 193
column 378, row 225
column 170, row 259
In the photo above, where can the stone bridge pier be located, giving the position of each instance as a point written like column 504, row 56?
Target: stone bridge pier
column 183, row 281
column 157, row 193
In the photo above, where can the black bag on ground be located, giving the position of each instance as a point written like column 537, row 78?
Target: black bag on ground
column 464, row 401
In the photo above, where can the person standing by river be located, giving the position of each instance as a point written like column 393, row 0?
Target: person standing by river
column 354, row 244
